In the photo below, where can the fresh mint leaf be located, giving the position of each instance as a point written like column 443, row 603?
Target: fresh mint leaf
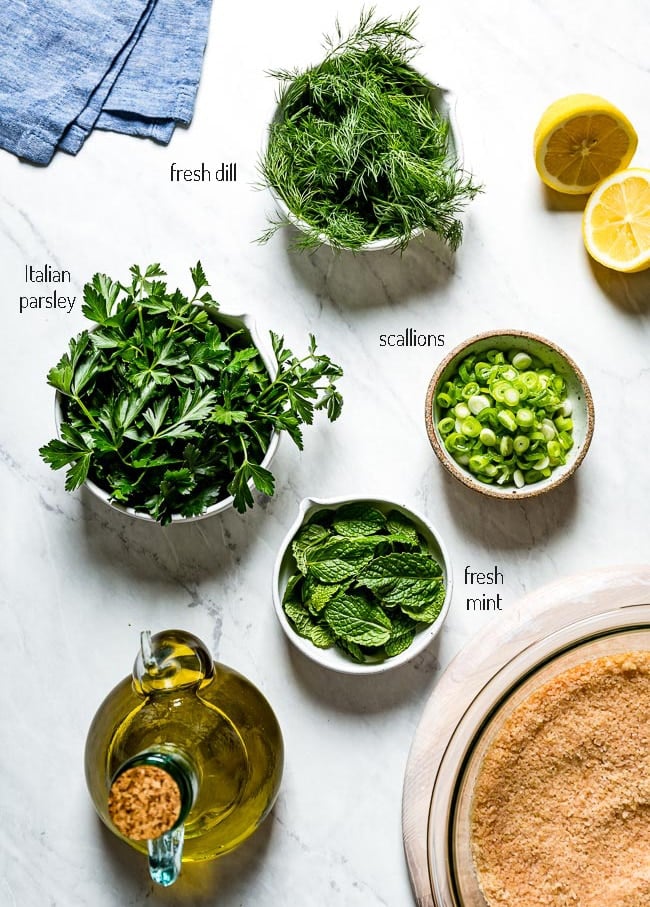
column 354, row 620
column 319, row 596
column 401, row 637
column 358, row 519
column 402, row 577
column 337, row 560
column 402, row 529
column 306, row 537
column 306, row 626
column 430, row 610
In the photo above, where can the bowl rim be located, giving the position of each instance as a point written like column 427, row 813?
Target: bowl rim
column 508, row 493
column 225, row 503
column 446, row 101
column 306, row 508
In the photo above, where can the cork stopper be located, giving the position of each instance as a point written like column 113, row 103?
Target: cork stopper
column 144, row 802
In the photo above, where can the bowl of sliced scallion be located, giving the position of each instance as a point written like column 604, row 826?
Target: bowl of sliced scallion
column 363, row 152
column 361, row 585
column 509, row 414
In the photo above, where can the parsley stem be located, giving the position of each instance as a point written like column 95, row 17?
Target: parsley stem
column 85, row 411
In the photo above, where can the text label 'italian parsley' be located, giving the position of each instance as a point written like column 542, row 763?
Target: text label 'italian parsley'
column 170, row 409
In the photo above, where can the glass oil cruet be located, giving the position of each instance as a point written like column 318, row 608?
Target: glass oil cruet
column 184, row 758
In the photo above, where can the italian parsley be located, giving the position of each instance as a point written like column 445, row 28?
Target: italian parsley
column 356, row 150
column 169, row 407
column 365, row 582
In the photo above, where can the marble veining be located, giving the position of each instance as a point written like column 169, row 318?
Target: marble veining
column 78, row 581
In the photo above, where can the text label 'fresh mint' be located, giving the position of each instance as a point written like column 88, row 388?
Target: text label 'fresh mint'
column 224, row 173
column 492, row 577
column 45, row 275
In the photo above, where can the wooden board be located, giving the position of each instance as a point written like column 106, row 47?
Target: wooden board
column 534, row 616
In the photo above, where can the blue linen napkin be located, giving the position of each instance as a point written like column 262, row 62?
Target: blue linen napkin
column 68, row 66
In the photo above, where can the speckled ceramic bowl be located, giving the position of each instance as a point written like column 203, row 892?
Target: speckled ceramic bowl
column 442, row 100
column 577, row 391
column 334, row 658
column 234, row 321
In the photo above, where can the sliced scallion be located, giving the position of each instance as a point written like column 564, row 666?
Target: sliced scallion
column 506, row 417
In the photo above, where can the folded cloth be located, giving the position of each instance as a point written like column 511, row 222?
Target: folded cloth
column 68, row 66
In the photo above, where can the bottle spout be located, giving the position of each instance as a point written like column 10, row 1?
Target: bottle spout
column 165, row 854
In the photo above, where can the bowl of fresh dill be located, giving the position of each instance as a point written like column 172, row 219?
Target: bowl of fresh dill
column 363, row 151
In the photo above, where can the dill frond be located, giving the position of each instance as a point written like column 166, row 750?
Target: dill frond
column 357, row 151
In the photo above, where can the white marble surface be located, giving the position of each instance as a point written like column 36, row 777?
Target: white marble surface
column 79, row 582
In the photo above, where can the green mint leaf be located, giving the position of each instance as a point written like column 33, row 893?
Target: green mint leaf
column 309, row 535
column 355, row 652
column 321, row 636
column 402, row 528
column 402, row 635
column 402, row 578
column 337, row 560
column 292, row 589
column 319, row 595
column 428, row 612
column 358, row 519
column 354, row 620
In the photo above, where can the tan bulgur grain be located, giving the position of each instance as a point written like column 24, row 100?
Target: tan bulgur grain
column 561, row 810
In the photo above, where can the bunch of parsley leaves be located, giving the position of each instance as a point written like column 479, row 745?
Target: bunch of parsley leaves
column 170, row 409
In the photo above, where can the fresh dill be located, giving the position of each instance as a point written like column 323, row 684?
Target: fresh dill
column 357, row 151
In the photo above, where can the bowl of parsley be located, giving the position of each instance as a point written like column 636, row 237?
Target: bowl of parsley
column 170, row 410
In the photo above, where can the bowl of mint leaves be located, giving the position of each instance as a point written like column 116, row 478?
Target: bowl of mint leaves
column 362, row 153
column 361, row 585
column 170, row 410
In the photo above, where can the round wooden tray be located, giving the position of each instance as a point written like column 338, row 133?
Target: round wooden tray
column 535, row 616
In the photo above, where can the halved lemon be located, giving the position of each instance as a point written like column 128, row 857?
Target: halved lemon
column 579, row 141
column 616, row 221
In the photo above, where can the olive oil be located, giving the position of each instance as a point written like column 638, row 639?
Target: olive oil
column 205, row 724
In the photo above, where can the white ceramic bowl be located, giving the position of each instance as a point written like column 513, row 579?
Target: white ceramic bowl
column 578, row 394
column 235, row 321
column 442, row 100
column 334, row 658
